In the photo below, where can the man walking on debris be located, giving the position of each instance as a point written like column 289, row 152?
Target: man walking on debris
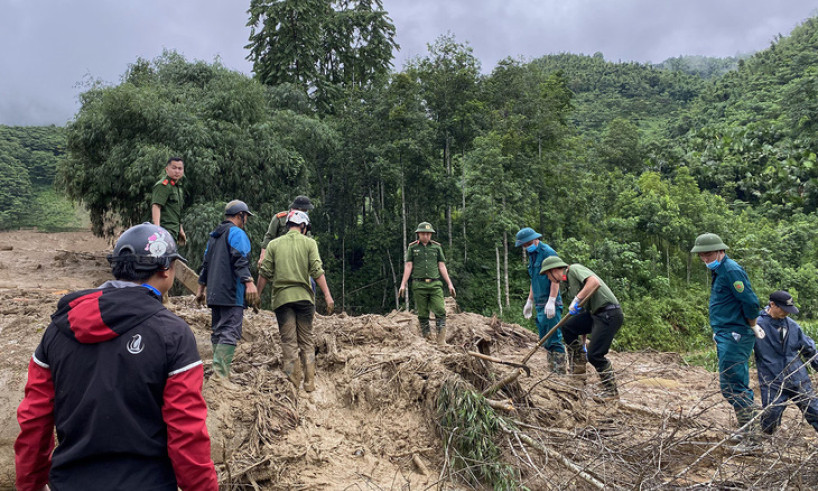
column 167, row 200
column 426, row 265
column 601, row 317
column 120, row 377
column 290, row 262
column 543, row 296
column 227, row 286
column 733, row 312
column 782, row 375
column 278, row 225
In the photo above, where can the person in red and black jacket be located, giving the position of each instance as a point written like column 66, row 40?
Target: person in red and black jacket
column 120, row 378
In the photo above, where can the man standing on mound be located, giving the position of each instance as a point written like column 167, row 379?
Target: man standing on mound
column 426, row 265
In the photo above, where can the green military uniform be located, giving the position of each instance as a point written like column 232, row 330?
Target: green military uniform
column 427, row 287
column 277, row 228
column 169, row 194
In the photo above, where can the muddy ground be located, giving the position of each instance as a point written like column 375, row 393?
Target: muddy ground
column 372, row 423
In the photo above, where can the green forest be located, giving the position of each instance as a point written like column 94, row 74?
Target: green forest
column 619, row 165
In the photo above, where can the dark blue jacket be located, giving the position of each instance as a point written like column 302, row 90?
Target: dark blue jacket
column 226, row 266
column 540, row 284
column 779, row 363
column 732, row 300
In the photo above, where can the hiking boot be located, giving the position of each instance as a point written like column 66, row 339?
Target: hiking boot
column 607, row 378
column 441, row 330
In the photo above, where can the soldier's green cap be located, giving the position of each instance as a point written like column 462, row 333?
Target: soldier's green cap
column 552, row 262
column 425, row 227
column 708, row 243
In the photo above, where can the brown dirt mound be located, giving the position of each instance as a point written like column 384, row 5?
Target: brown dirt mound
column 372, row 423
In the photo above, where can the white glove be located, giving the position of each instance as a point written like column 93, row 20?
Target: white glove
column 551, row 307
column 759, row 332
column 529, row 306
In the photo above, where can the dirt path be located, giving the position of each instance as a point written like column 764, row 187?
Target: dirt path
column 372, row 422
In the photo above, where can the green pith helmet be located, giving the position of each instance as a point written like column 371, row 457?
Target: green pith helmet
column 550, row 263
column 425, row 227
column 708, row 243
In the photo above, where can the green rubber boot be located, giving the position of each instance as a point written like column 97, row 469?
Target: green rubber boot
column 222, row 359
column 441, row 330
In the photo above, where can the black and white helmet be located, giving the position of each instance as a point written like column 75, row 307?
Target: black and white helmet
column 148, row 246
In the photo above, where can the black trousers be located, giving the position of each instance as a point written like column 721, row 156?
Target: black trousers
column 602, row 327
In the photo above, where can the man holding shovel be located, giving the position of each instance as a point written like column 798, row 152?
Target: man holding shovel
column 601, row 317
column 543, row 296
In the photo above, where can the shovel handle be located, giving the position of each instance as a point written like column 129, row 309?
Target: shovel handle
column 554, row 329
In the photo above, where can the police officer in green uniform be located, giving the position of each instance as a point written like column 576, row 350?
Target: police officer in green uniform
column 278, row 225
column 733, row 313
column 167, row 200
column 426, row 265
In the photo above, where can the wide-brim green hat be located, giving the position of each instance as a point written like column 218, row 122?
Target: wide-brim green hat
column 552, row 262
column 708, row 243
column 425, row 227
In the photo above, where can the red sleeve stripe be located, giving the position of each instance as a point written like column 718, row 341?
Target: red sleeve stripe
column 185, row 368
column 85, row 319
column 38, row 362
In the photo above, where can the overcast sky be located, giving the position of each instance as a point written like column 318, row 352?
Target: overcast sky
column 49, row 47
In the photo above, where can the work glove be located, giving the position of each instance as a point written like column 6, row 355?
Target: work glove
column 574, row 308
column 253, row 300
column 452, row 291
column 330, row 306
column 551, row 307
column 402, row 290
column 529, row 306
column 759, row 332
column 201, row 299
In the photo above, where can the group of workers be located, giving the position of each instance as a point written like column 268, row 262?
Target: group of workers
column 120, row 377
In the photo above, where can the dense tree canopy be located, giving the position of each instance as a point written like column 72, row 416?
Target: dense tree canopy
column 619, row 165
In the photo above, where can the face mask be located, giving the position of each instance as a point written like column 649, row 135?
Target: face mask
column 531, row 248
column 715, row 264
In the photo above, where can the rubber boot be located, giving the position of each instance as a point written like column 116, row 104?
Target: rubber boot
column 441, row 330
column 292, row 369
column 577, row 361
column 557, row 362
column 309, row 372
column 747, row 439
column 608, row 379
column 424, row 329
column 222, row 359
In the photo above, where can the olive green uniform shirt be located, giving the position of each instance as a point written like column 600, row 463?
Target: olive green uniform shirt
column 577, row 274
column 277, row 228
column 169, row 194
column 289, row 263
column 424, row 259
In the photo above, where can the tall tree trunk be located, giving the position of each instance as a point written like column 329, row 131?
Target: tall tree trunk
column 499, row 281
column 463, row 214
column 505, row 266
column 689, row 265
column 403, row 226
column 667, row 258
column 343, row 275
column 448, row 198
